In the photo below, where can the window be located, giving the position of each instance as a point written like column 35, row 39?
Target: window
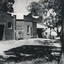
column 31, row 31
column 28, row 30
column 9, row 25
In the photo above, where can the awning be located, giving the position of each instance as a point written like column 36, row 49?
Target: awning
column 41, row 26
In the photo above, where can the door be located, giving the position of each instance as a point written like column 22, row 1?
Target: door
column 1, row 31
column 39, row 32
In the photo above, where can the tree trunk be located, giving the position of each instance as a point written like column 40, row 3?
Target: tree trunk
column 62, row 42
column 62, row 59
column 62, row 37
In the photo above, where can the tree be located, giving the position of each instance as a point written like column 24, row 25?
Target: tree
column 7, row 5
column 35, row 8
column 47, row 9
column 58, row 7
column 62, row 36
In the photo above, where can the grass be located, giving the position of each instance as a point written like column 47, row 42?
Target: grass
column 33, row 61
column 28, row 60
column 20, row 53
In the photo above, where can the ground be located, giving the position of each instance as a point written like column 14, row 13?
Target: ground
column 30, row 51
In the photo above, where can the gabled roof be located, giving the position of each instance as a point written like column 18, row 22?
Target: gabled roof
column 19, row 15
column 29, row 18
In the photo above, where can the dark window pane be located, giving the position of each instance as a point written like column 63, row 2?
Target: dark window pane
column 9, row 25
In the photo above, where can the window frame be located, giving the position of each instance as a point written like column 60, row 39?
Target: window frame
column 9, row 27
column 28, row 29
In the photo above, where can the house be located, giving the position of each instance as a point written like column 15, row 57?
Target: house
column 15, row 29
column 44, row 31
column 40, row 28
column 26, row 28
column 6, row 26
column 6, row 23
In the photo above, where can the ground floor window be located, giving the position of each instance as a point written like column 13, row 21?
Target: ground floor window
column 28, row 29
column 9, row 25
column 31, row 31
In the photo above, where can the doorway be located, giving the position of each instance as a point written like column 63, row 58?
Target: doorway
column 39, row 32
column 1, row 31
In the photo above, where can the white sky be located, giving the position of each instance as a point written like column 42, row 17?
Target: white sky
column 20, row 5
column 20, row 8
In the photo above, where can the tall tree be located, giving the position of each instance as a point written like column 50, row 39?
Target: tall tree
column 62, row 36
column 35, row 8
column 7, row 5
column 50, row 9
column 58, row 7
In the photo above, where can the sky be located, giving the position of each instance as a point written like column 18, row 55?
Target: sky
column 20, row 5
column 20, row 8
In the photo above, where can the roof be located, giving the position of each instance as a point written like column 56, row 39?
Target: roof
column 24, row 20
column 41, row 26
column 19, row 15
column 26, row 17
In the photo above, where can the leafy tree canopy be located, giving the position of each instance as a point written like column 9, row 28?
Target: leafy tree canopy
column 49, row 10
column 43, row 8
column 35, row 8
column 7, row 5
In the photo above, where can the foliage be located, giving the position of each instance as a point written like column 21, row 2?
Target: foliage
column 50, row 10
column 43, row 7
column 35, row 8
column 7, row 5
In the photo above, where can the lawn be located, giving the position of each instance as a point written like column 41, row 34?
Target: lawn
column 31, row 51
